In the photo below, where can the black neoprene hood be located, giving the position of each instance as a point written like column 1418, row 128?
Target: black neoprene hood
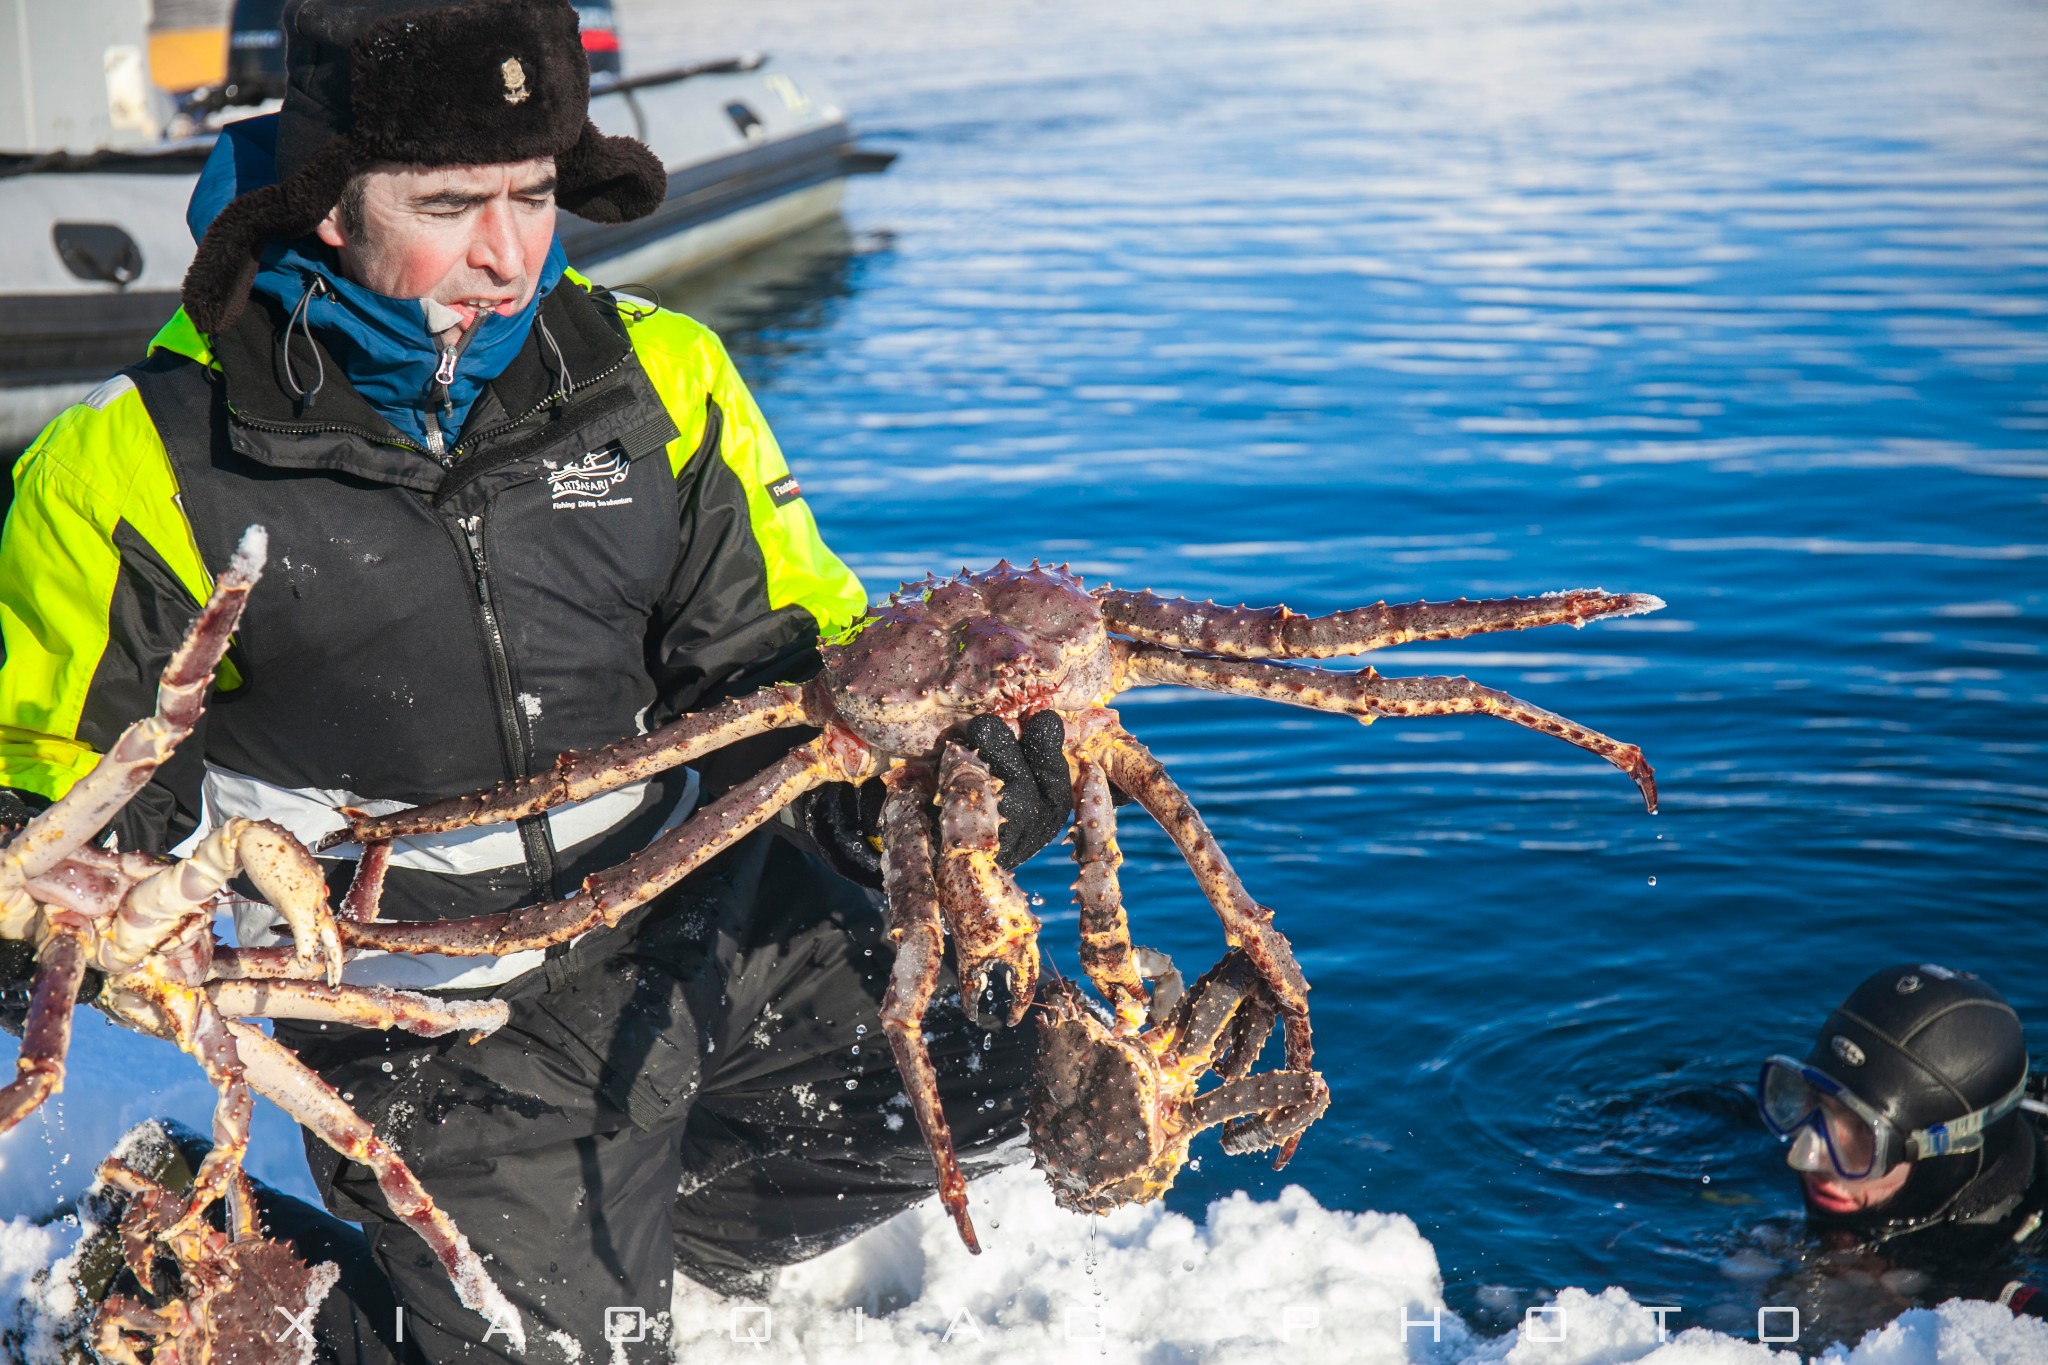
column 1922, row 1045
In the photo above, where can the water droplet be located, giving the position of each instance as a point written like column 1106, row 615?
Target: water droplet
column 867, row 952
column 988, row 1104
column 856, row 1049
column 860, row 1030
column 1653, row 881
column 387, row 1068
column 852, row 1084
column 1187, row 1265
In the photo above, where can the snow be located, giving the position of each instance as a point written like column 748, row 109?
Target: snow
column 1253, row 1281
column 1281, row 1280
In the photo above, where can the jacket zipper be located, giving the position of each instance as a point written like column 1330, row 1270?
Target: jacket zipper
column 470, row 442
column 445, row 458
column 533, row 831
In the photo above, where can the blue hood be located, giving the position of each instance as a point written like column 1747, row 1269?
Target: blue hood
column 382, row 343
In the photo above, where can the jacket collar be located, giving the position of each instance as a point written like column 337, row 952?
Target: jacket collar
column 341, row 431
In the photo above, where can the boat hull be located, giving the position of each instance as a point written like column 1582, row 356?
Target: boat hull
column 755, row 150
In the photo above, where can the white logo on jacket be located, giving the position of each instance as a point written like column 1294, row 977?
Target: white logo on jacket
column 585, row 482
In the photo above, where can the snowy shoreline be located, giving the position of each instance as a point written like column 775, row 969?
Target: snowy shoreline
column 1299, row 1283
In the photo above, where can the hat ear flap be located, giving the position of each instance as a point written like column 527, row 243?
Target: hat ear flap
column 216, row 287
column 609, row 179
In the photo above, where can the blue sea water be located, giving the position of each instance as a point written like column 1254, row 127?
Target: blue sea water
column 1742, row 305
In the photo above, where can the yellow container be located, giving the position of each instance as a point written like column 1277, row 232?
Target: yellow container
column 183, row 59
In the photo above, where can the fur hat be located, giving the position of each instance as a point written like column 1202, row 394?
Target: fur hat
column 421, row 83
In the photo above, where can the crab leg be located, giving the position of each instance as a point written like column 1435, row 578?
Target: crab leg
column 124, row 1315
column 1106, row 953
column 606, row 897
column 279, row 962
column 198, row 1029
column 1246, row 923
column 1212, row 1005
column 143, row 747
column 299, row 1091
column 576, row 776
column 46, row 1033
column 1262, row 1111
column 361, row 1006
column 984, row 907
column 1285, row 1103
column 918, row 933
column 367, row 888
column 1369, row 696
column 1277, row 633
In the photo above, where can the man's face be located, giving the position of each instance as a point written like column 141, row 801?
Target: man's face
column 1854, row 1144
column 470, row 237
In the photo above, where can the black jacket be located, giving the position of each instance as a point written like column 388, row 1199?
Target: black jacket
column 615, row 540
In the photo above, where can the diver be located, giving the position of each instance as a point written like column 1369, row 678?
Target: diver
column 1915, row 1127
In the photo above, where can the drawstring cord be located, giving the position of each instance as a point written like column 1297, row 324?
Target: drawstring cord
column 565, row 383
column 300, row 320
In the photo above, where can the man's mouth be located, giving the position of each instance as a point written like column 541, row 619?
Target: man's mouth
column 1829, row 1197
column 472, row 309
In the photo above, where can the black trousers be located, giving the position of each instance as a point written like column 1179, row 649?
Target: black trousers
column 713, row 1093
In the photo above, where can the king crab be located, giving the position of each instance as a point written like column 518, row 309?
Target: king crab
column 217, row 1300
column 893, row 698
column 146, row 923
column 1113, row 1111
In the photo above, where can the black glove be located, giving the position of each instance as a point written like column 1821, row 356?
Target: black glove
column 1038, row 792
column 16, row 810
column 845, row 822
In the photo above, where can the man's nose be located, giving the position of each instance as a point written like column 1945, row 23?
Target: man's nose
column 494, row 248
column 1808, row 1153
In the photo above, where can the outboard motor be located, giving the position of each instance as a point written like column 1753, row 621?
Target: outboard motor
column 255, row 53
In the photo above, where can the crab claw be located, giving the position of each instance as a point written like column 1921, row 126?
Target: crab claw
column 290, row 880
column 987, row 912
column 1018, row 957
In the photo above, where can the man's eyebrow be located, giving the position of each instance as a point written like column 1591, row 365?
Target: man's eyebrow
column 452, row 199
column 463, row 199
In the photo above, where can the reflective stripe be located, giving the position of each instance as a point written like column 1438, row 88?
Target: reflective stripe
column 312, row 812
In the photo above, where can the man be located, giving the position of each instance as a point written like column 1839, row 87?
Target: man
column 509, row 516
column 1907, row 1127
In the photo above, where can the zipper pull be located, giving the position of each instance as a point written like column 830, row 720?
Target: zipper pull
column 473, row 532
column 445, row 375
